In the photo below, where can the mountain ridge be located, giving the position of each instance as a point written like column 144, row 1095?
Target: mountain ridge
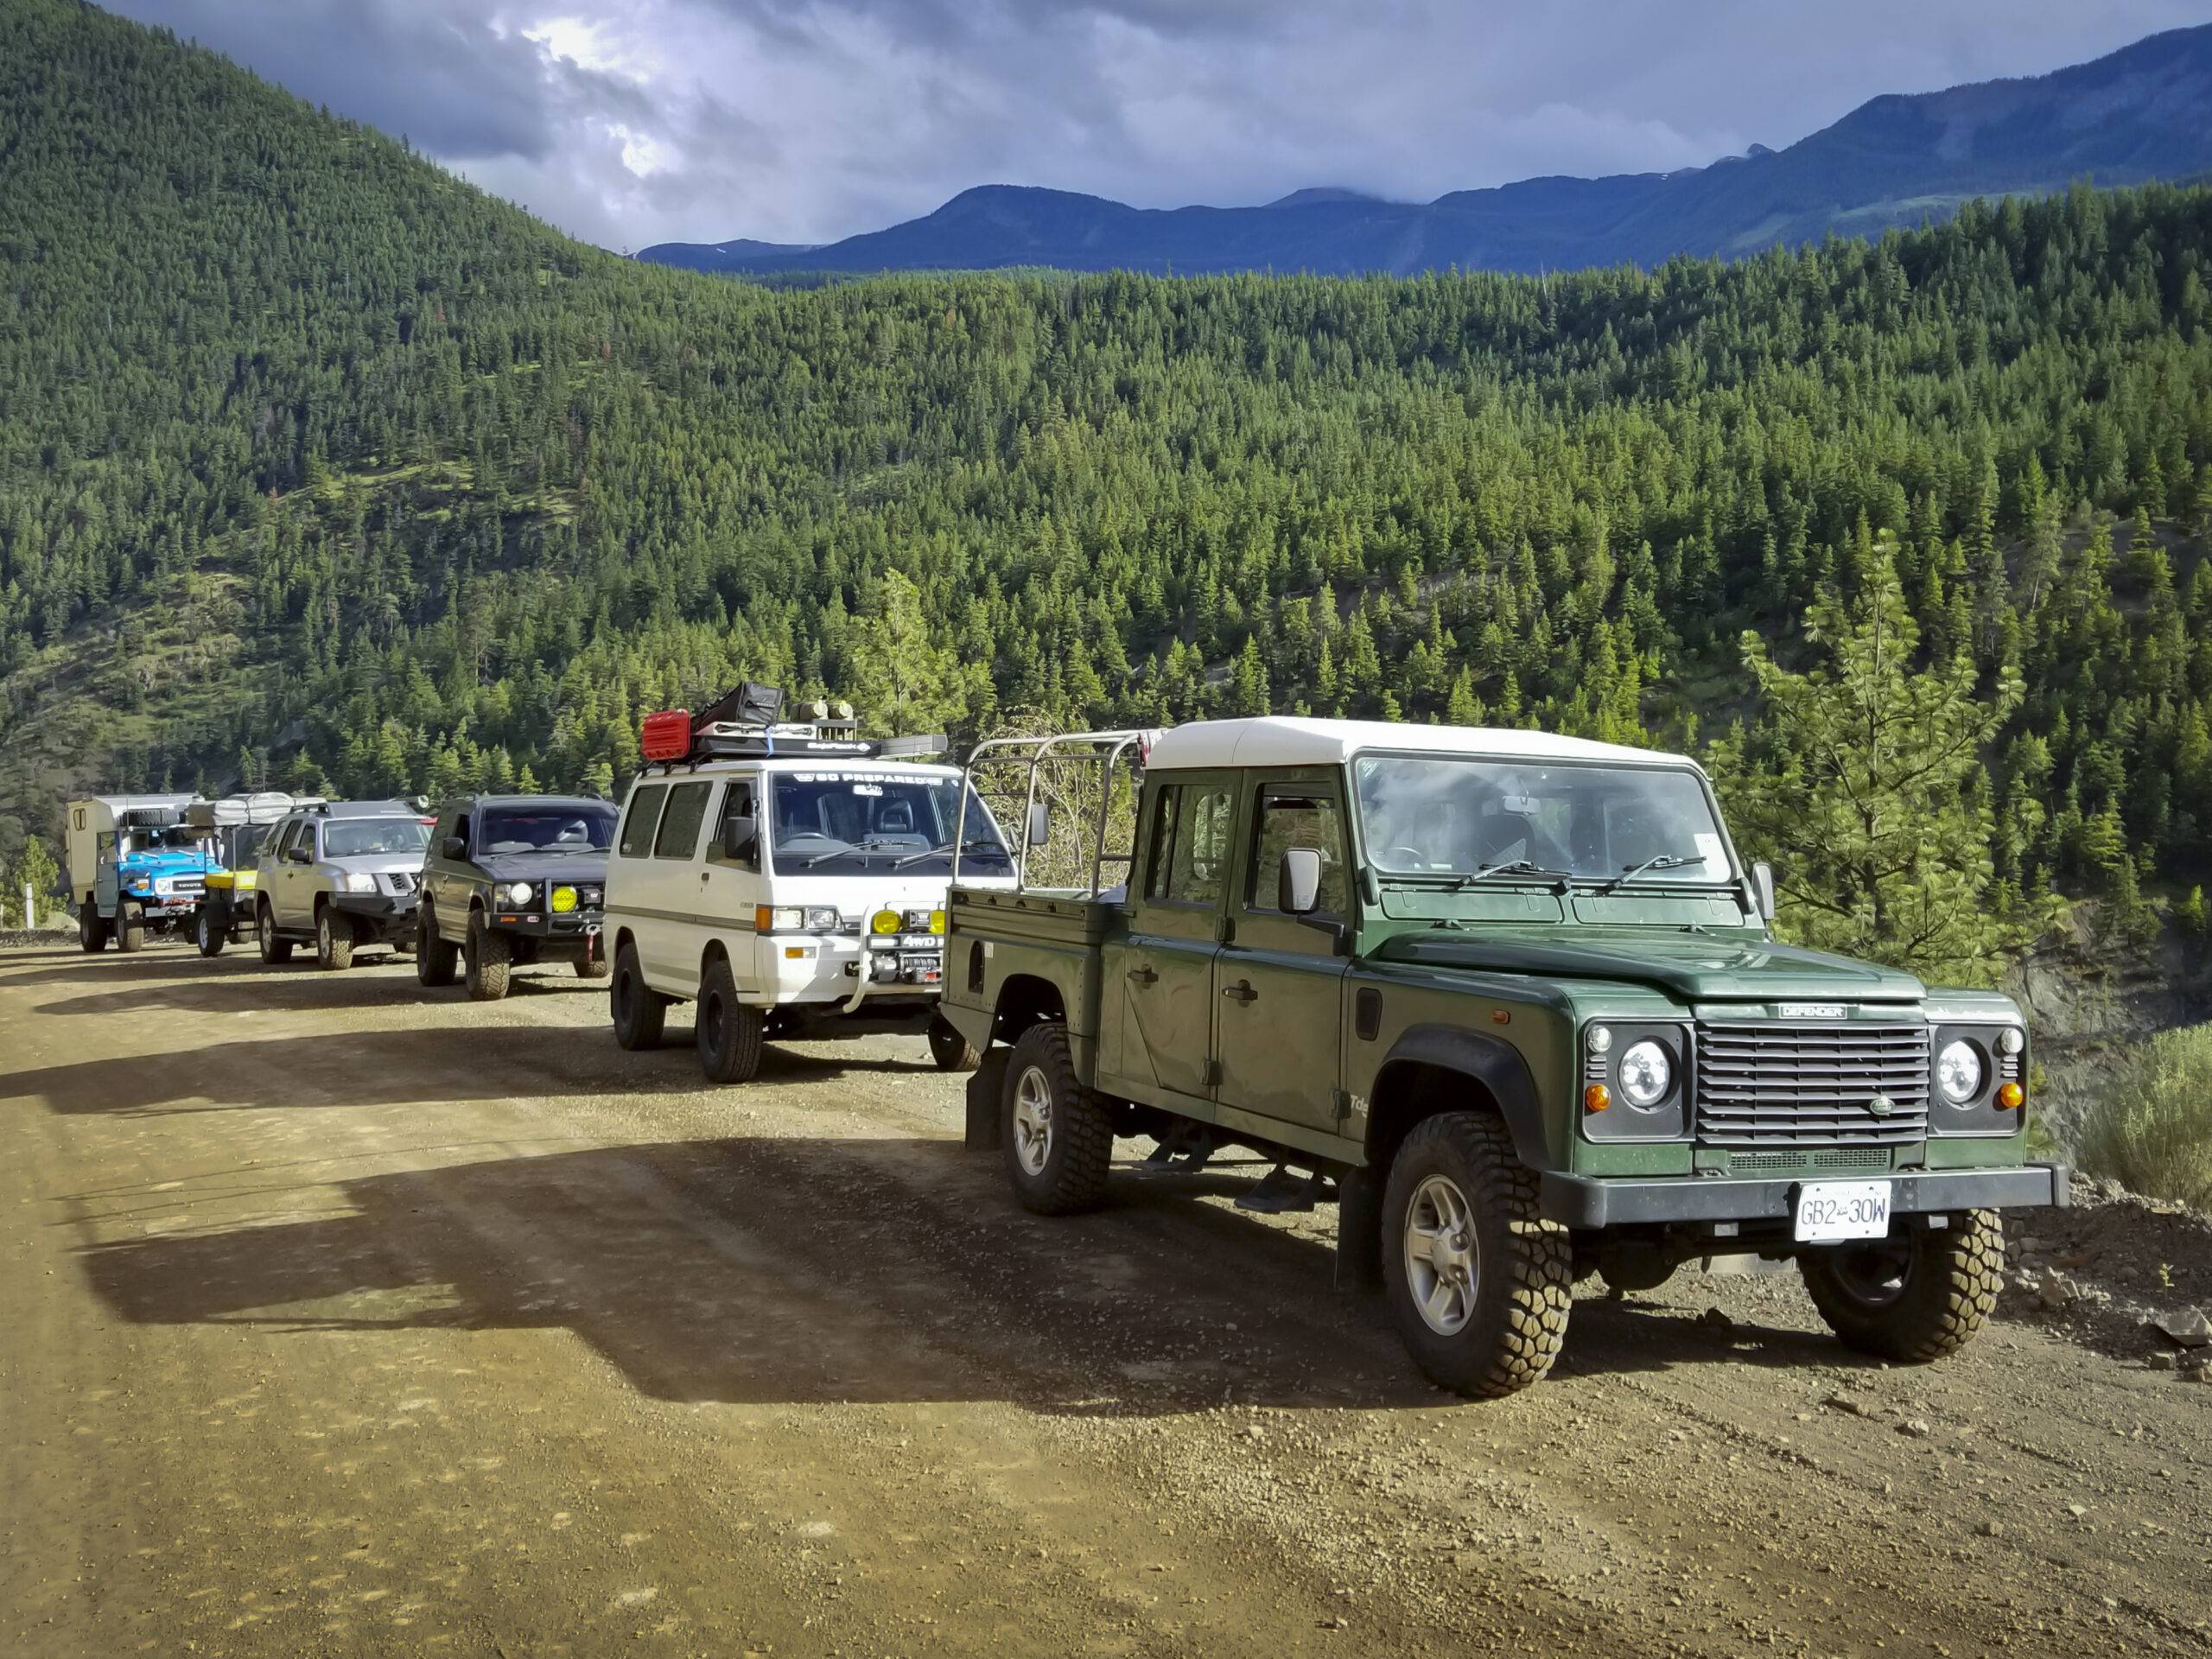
column 2140, row 114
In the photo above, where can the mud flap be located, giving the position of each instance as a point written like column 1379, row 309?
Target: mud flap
column 1359, row 1228
column 986, row 1087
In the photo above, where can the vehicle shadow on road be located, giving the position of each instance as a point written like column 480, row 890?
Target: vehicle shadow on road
column 372, row 982
column 756, row 1270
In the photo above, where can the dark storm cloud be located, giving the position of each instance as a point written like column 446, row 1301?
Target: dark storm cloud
column 633, row 121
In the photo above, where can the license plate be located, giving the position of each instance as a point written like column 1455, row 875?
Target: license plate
column 1831, row 1210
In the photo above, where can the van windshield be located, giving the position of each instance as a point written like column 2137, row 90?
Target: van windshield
column 1459, row 816
column 849, row 822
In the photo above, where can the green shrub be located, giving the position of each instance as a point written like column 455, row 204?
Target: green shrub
column 2153, row 1130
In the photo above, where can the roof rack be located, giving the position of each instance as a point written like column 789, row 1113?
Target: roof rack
column 746, row 723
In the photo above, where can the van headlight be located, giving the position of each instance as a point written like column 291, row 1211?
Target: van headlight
column 1958, row 1072
column 795, row 918
column 1646, row 1073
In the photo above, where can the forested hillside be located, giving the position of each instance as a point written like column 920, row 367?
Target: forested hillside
column 315, row 463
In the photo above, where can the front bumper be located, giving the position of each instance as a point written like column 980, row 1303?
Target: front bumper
column 572, row 933
column 388, row 916
column 1580, row 1201
column 795, row 969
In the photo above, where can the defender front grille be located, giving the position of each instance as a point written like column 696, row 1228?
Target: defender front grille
column 1764, row 1083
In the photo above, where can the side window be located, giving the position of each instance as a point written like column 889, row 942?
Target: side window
column 737, row 830
column 1288, row 818
column 459, row 827
column 680, row 822
column 289, row 839
column 1198, row 861
column 1162, row 831
column 638, row 823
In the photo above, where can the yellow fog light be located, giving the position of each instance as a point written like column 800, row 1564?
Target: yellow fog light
column 564, row 899
column 937, row 921
column 2009, row 1097
column 884, row 921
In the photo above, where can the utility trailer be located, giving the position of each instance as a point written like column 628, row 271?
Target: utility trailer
column 233, row 830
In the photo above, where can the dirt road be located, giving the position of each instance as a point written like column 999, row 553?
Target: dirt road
column 338, row 1319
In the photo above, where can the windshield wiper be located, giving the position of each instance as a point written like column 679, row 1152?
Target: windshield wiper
column 981, row 844
column 1656, row 862
column 1513, row 867
column 835, row 851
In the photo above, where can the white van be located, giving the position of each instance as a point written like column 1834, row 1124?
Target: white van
column 786, row 881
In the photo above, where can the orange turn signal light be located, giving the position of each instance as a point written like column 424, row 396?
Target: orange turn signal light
column 2011, row 1095
column 1597, row 1097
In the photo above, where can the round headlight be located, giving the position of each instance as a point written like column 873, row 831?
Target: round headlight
column 516, row 893
column 1958, row 1071
column 884, row 921
column 1645, row 1073
column 1600, row 1038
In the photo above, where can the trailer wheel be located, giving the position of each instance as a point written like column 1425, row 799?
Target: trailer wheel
column 1058, row 1138
column 334, row 945
column 275, row 952
column 488, row 960
column 130, row 934
column 641, row 1013
column 92, row 929
column 950, row 1050
column 1479, row 1282
column 729, row 1034
column 435, row 960
column 211, row 931
column 1914, row 1296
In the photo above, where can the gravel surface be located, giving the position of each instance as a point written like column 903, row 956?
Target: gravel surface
column 340, row 1318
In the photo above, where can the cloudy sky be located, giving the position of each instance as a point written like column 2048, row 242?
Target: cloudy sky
column 629, row 122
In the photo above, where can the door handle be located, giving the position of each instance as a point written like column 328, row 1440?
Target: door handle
column 1242, row 991
column 1143, row 975
column 703, row 874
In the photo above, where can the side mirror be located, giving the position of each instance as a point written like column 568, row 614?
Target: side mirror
column 453, row 847
column 1298, row 881
column 740, row 837
column 299, row 856
column 1763, row 889
column 1040, row 824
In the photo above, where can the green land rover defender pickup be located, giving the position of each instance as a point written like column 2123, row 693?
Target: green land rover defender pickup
column 1517, row 997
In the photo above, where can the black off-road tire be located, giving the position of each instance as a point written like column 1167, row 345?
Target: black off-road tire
column 489, row 960
column 333, row 943
column 950, row 1050
column 435, row 960
column 131, row 929
column 640, row 1012
column 597, row 967
column 1066, row 1172
column 211, row 930
column 729, row 1034
column 1947, row 1287
column 91, row 930
column 1524, row 1280
column 275, row 951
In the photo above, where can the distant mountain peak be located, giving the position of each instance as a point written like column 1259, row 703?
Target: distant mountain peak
column 2142, row 113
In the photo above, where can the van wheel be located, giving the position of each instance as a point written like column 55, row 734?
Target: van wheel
column 729, row 1034
column 490, row 960
column 212, row 933
column 639, row 1011
column 951, row 1051
column 92, row 929
column 1914, row 1296
column 274, row 951
column 333, row 944
column 435, row 960
column 130, row 931
column 1058, row 1138
column 1479, row 1282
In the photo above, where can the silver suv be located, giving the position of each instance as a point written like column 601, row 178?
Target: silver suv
column 341, row 875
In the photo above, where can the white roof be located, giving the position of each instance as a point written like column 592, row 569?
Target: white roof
column 1283, row 741
column 653, row 770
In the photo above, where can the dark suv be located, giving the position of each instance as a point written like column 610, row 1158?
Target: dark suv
column 513, row 880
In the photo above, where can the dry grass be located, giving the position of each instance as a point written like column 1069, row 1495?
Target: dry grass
column 2151, row 1131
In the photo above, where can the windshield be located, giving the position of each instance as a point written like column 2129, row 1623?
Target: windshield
column 875, row 822
column 563, row 830
column 365, row 837
column 1453, row 816
column 176, row 838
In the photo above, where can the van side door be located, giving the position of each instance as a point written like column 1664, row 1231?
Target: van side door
column 1279, row 979
column 679, row 883
column 1166, row 968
